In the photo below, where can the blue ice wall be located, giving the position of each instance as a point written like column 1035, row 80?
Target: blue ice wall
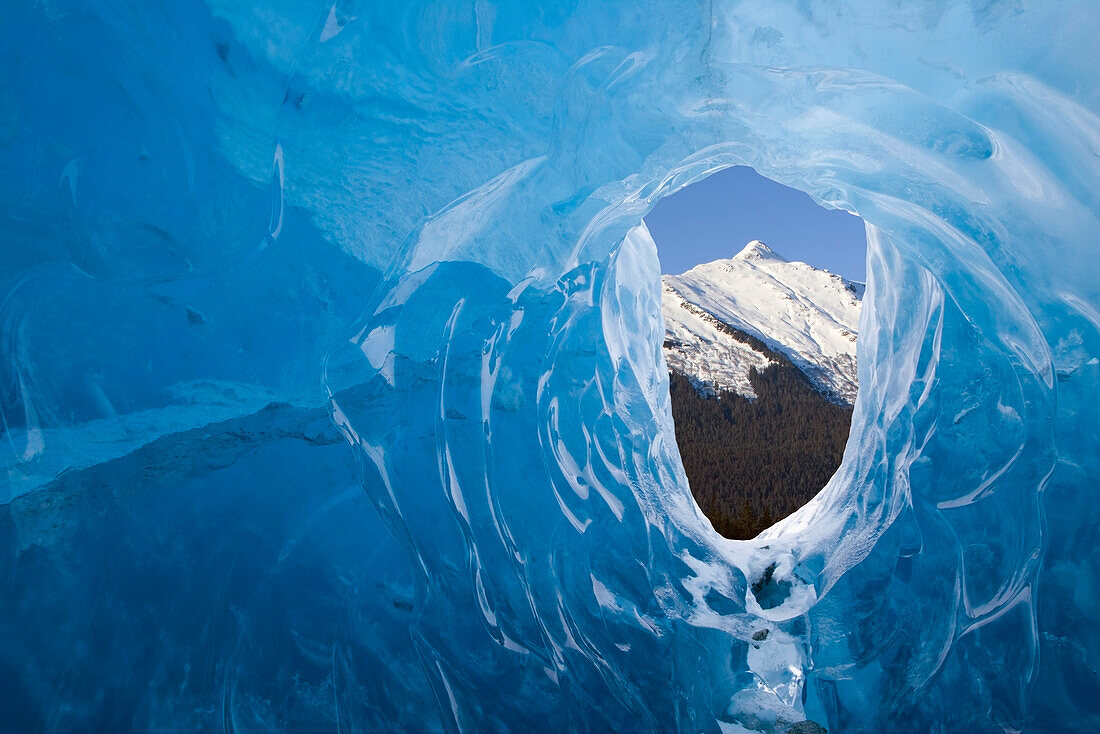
column 333, row 397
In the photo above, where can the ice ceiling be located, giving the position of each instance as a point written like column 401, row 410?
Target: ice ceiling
column 238, row 240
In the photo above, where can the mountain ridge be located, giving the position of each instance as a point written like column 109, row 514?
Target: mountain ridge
column 727, row 317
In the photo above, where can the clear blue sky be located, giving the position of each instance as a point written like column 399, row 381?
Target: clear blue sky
column 716, row 217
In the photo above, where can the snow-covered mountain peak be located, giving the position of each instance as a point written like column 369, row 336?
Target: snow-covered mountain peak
column 757, row 250
column 725, row 317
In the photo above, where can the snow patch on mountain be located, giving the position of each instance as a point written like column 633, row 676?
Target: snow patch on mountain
column 725, row 317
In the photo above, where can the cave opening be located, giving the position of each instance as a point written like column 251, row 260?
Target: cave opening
column 761, row 294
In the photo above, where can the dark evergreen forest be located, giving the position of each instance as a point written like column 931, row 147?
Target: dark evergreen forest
column 753, row 462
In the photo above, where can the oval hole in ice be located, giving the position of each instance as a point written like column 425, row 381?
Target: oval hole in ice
column 760, row 341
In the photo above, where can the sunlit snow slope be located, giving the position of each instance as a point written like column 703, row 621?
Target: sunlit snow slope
column 809, row 316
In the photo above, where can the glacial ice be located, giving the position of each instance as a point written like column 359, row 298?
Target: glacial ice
column 240, row 238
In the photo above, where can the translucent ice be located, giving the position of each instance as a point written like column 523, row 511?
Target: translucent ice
column 239, row 240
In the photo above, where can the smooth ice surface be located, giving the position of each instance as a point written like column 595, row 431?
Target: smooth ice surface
column 332, row 387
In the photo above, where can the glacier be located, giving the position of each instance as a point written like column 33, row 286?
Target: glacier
column 333, row 396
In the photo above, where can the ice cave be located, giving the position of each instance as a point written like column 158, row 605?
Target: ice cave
column 332, row 391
